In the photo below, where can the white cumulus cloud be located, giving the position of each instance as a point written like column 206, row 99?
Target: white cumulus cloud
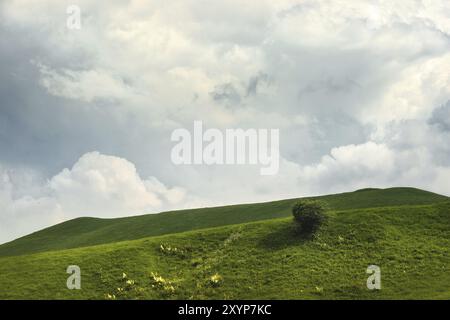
column 97, row 185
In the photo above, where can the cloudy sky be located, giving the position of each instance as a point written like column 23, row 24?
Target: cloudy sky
column 360, row 91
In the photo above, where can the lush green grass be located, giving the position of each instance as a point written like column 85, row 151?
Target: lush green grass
column 91, row 231
column 263, row 260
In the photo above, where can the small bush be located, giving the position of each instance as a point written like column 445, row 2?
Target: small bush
column 309, row 216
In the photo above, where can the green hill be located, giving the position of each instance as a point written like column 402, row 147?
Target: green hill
column 257, row 260
column 83, row 232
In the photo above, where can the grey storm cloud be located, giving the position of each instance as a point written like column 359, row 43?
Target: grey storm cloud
column 257, row 81
column 227, row 94
column 441, row 117
column 359, row 91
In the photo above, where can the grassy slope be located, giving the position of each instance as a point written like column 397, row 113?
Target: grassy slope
column 91, row 231
column 257, row 260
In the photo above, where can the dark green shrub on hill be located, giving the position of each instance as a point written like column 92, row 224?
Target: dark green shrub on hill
column 308, row 215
